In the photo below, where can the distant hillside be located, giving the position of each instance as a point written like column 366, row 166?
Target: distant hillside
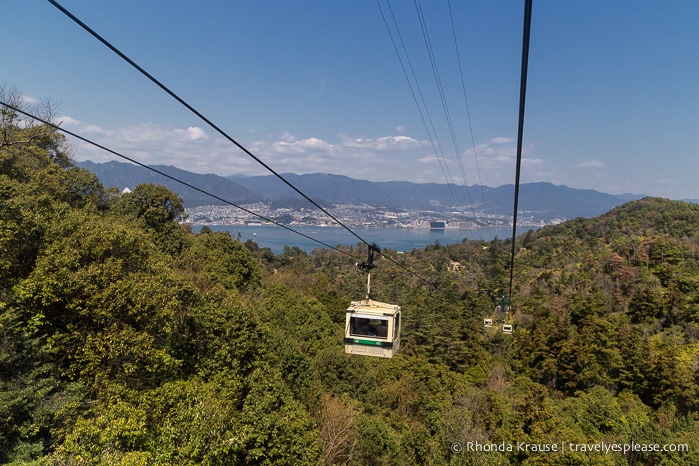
column 543, row 201
column 647, row 217
column 546, row 201
column 537, row 201
column 126, row 175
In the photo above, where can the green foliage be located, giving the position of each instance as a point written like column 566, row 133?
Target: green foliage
column 196, row 421
column 223, row 260
column 83, row 188
column 111, row 433
column 155, row 204
column 275, row 428
column 124, row 339
column 23, row 220
column 156, row 208
column 304, row 320
column 376, row 445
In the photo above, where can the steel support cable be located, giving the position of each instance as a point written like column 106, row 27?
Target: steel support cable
column 450, row 184
column 442, row 95
column 520, row 128
column 184, row 183
column 199, row 114
column 444, row 167
column 457, row 198
column 468, row 111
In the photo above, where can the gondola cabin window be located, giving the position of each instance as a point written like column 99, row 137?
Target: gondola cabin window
column 368, row 326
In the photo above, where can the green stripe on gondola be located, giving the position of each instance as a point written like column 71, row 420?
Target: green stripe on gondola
column 359, row 341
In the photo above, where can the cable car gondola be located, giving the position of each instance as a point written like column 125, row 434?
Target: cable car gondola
column 507, row 325
column 491, row 323
column 372, row 328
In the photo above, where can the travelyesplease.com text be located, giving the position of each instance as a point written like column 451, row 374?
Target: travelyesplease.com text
column 562, row 447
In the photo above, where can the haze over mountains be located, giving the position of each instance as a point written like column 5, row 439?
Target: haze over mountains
column 539, row 200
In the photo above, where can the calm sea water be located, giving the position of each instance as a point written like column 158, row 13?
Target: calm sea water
column 400, row 239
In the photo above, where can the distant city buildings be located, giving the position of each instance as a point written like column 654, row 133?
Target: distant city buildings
column 353, row 216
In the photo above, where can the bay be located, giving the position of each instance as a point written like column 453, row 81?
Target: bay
column 399, row 239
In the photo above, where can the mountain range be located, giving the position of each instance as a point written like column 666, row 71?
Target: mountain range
column 540, row 201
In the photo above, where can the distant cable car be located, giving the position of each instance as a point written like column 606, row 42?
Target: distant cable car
column 504, row 305
column 372, row 328
column 488, row 320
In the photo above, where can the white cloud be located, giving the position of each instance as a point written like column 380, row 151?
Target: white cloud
column 300, row 146
column 148, row 143
column 431, row 158
column 529, row 161
column 381, row 143
column 30, row 100
column 93, row 129
column 502, row 140
column 396, row 158
column 590, row 164
column 381, row 158
column 193, row 133
column 67, row 121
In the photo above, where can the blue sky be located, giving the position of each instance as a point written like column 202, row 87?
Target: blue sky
column 316, row 86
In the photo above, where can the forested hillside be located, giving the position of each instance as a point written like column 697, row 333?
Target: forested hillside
column 125, row 339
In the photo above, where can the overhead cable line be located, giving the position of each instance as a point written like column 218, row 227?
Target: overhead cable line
column 443, row 98
column 159, row 172
column 440, row 90
column 200, row 115
column 436, row 146
column 431, row 56
column 468, row 112
column 520, row 127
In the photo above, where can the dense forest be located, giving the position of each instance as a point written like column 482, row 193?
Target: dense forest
column 126, row 339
